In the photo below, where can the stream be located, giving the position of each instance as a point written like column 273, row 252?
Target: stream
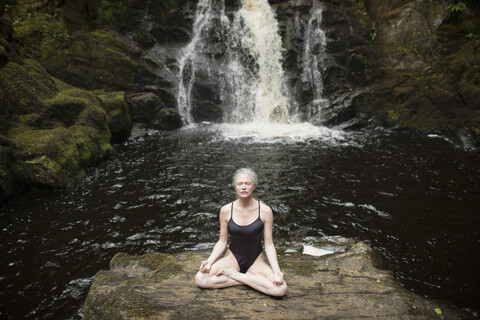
column 412, row 197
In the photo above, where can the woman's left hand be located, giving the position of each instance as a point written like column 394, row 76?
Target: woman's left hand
column 278, row 278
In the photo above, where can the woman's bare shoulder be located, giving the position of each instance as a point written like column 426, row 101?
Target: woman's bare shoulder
column 265, row 209
column 225, row 210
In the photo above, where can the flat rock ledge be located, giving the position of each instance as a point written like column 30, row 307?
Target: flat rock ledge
column 342, row 285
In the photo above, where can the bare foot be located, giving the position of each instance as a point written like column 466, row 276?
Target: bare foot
column 230, row 272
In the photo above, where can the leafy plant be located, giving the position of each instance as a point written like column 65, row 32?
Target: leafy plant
column 10, row 5
column 457, row 7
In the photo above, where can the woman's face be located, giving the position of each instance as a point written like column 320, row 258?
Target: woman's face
column 244, row 185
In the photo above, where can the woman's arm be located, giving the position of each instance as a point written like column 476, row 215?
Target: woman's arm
column 270, row 250
column 221, row 244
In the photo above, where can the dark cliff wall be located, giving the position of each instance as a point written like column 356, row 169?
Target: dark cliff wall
column 428, row 56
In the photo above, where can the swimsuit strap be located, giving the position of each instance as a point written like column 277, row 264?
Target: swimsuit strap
column 231, row 210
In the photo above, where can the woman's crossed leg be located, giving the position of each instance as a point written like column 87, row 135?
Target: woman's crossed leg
column 225, row 273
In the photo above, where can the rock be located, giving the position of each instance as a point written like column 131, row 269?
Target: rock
column 119, row 119
column 145, row 106
column 50, row 130
column 143, row 38
column 86, row 58
column 341, row 285
column 149, row 109
column 168, row 119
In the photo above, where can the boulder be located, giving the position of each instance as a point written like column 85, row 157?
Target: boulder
column 119, row 119
column 341, row 285
column 145, row 106
column 50, row 131
column 149, row 109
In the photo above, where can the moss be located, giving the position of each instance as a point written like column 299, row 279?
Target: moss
column 393, row 115
column 129, row 301
column 47, row 163
column 165, row 264
column 95, row 60
column 54, row 143
column 40, row 35
column 366, row 102
column 92, row 146
column 302, row 265
column 119, row 119
column 50, row 156
column 23, row 88
column 127, row 305
column 109, row 12
column 3, row 55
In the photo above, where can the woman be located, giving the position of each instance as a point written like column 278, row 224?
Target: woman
column 245, row 220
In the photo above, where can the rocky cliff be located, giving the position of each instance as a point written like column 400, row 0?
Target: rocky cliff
column 427, row 56
column 341, row 285
column 66, row 85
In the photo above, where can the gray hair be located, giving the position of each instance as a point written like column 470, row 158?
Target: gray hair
column 247, row 171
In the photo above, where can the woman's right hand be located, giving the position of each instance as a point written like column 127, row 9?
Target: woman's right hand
column 205, row 266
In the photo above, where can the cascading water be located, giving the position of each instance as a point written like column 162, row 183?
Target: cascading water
column 313, row 58
column 263, row 42
column 241, row 62
column 252, row 92
column 191, row 58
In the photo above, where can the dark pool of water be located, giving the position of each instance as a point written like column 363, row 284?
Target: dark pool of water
column 413, row 198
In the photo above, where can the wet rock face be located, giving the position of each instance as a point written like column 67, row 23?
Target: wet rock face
column 345, row 284
column 421, row 46
column 149, row 108
column 370, row 45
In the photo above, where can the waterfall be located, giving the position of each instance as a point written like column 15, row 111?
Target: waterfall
column 313, row 58
column 262, row 40
column 204, row 19
column 233, row 66
column 249, row 71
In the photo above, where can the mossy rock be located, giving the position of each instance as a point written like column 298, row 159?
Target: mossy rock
column 91, row 59
column 126, row 306
column 23, row 87
column 8, row 171
column 53, row 130
column 119, row 119
column 38, row 35
column 96, row 60
column 167, row 264
column 340, row 285
column 109, row 12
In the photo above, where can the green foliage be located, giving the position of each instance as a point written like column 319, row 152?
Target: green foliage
column 10, row 5
column 457, row 7
column 38, row 34
column 393, row 115
column 109, row 11
column 359, row 4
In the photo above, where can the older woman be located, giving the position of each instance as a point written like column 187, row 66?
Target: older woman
column 244, row 220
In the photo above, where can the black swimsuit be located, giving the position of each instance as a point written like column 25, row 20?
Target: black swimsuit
column 246, row 241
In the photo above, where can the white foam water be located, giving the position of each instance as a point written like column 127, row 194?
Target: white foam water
column 263, row 41
column 268, row 132
column 255, row 98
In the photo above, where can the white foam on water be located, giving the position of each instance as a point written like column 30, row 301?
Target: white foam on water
column 268, row 132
